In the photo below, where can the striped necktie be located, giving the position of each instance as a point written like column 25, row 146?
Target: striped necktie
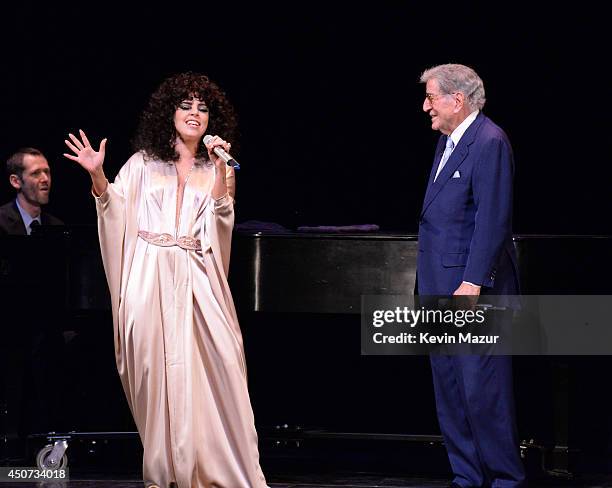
column 450, row 145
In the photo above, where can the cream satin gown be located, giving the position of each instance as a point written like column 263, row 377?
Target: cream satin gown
column 178, row 344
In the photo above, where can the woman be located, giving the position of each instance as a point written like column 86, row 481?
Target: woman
column 165, row 229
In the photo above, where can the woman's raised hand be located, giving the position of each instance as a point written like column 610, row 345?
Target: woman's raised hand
column 84, row 154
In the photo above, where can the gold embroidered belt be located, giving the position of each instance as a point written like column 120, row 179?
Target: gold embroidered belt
column 166, row 240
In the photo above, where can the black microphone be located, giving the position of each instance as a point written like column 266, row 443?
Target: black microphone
column 219, row 151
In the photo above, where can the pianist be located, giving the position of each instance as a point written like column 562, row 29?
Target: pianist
column 31, row 341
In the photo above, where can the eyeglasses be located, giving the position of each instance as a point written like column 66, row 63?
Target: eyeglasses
column 433, row 97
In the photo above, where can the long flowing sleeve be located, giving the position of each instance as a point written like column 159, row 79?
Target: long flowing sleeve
column 110, row 207
column 219, row 225
column 116, row 209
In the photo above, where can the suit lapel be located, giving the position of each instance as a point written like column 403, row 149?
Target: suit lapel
column 438, row 156
column 434, row 168
column 457, row 157
column 16, row 222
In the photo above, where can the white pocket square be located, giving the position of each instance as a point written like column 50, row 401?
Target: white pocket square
column 456, row 174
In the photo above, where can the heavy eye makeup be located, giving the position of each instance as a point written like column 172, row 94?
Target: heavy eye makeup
column 185, row 105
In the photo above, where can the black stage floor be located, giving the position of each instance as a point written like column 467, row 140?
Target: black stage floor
column 321, row 463
column 337, row 480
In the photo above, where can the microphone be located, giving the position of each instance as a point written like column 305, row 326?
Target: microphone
column 219, row 151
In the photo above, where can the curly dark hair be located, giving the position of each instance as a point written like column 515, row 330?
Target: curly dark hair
column 156, row 134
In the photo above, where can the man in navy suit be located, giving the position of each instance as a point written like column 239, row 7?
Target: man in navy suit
column 465, row 248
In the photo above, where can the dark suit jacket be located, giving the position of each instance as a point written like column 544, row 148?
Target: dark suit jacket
column 465, row 228
column 11, row 222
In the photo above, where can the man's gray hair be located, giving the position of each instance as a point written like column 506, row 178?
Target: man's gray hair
column 458, row 78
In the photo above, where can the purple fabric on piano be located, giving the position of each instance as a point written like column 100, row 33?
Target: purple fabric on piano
column 338, row 229
column 259, row 226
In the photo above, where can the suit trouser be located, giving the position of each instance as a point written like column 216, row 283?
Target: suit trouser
column 475, row 405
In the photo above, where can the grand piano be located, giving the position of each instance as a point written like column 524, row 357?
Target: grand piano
column 298, row 297
column 300, row 294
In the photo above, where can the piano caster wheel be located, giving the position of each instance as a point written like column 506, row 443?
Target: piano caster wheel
column 52, row 456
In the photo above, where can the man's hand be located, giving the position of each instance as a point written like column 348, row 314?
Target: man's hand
column 467, row 289
column 466, row 296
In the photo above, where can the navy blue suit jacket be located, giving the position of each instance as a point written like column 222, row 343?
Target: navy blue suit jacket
column 465, row 228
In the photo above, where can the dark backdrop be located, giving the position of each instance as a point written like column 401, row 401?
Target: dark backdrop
column 328, row 97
